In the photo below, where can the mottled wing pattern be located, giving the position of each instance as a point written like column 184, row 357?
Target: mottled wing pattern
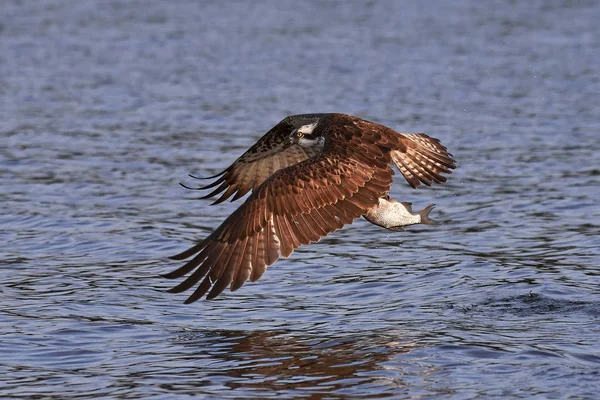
column 265, row 157
column 295, row 206
column 420, row 158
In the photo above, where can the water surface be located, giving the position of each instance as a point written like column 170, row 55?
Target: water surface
column 106, row 106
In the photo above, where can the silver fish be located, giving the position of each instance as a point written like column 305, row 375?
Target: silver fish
column 393, row 215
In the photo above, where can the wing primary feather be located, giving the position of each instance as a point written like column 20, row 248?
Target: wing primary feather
column 218, row 190
column 312, row 220
column 423, row 173
column 285, row 236
column 208, row 279
column 429, row 175
column 257, row 257
column 192, row 250
column 213, row 255
column 189, row 187
column 294, row 241
column 187, row 267
column 199, row 292
column 346, row 210
column 306, row 228
column 230, row 190
column 240, row 193
column 227, row 275
column 334, row 221
column 210, row 185
column 267, row 241
column 298, row 232
column 191, row 280
column 208, row 177
column 245, row 268
column 240, row 279
column 221, row 263
column 253, row 174
column 273, row 251
column 325, row 220
column 444, row 162
column 292, row 204
column 408, row 173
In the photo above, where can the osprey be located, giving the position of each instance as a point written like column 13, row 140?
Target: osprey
column 310, row 175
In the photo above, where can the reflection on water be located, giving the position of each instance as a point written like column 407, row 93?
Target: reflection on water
column 107, row 106
column 275, row 362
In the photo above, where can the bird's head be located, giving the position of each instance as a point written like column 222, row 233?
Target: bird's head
column 305, row 136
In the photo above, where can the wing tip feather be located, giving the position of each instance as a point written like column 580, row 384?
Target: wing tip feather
column 208, row 177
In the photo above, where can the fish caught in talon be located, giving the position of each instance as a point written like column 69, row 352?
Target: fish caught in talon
column 393, row 215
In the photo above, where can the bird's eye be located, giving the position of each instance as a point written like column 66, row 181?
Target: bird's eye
column 299, row 134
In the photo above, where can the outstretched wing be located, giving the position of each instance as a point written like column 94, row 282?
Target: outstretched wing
column 265, row 157
column 295, row 206
column 420, row 158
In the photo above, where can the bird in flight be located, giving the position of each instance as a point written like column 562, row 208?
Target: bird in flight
column 310, row 175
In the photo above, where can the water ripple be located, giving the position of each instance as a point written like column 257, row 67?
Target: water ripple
column 108, row 106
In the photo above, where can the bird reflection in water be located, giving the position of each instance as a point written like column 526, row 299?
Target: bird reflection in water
column 270, row 361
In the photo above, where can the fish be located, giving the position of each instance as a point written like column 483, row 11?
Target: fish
column 393, row 215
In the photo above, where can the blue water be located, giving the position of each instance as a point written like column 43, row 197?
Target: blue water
column 106, row 106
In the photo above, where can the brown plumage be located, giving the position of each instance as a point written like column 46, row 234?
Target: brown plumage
column 261, row 160
column 309, row 175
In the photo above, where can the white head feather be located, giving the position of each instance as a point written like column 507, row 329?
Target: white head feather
column 317, row 142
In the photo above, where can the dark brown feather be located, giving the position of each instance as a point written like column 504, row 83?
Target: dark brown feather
column 423, row 159
column 296, row 203
column 259, row 162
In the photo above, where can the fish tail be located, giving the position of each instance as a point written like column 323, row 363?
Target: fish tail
column 424, row 213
